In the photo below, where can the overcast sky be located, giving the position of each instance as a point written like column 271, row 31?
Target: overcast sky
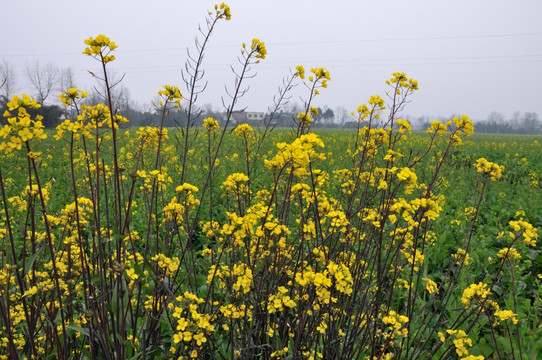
column 470, row 56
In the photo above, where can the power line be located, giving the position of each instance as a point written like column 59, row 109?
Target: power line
column 288, row 43
column 506, row 59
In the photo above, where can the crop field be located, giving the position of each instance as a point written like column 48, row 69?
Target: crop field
column 292, row 256
column 217, row 240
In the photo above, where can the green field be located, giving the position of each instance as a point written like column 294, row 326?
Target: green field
column 328, row 249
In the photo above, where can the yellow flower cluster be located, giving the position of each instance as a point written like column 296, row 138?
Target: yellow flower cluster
column 236, row 183
column 509, row 253
column 77, row 128
column 376, row 101
column 239, row 278
column 430, row 286
column 244, row 130
column 395, row 322
column 305, row 119
column 320, row 74
column 525, row 230
column 173, row 211
column 400, row 80
column 438, row 127
column 407, row 175
column 464, row 124
column 171, row 93
column 167, row 266
column 461, row 256
column 96, row 116
column 505, row 315
column 210, row 124
column 187, row 191
column 478, row 292
column 192, row 326
column 149, row 135
column 257, row 48
column 297, row 155
column 72, row 94
column 460, row 341
column 223, row 11
column 100, row 47
column 20, row 127
column 232, row 311
column 300, row 71
column 69, row 216
column 277, row 302
column 327, row 285
column 488, row 168
column 404, row 126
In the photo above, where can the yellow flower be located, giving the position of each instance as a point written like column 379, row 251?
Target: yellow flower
column 223, row 11
column 478, row 291
column 438, row 127
column 171, row 93
column 510, row 253
column 300, row 71
column 70, row 95
column 407, row 175
column 258, row 47
column 524, row 229
column 243, row 130
column 25, row 134
column 430, row 286
column 504, row 315
column 321, row 73
column 305, row 119
column 490, row 169
column 200, row 338
column 210, row 124
column 100, row 47
column 465, row 124
column 461, row 256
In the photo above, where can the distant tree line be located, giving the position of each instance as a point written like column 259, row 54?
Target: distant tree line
column 47, row 81
column 497, row 123
column 518, row 123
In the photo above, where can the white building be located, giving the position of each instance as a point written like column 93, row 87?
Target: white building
column 255, row 116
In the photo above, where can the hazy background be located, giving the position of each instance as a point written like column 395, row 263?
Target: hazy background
column 470, row 57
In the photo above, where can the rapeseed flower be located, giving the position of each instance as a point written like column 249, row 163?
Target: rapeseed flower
column 477, row 292
column 210, row 124
column 223, row 11
column 100, row 48
column 492, row 170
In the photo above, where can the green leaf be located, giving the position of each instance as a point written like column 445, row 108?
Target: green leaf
column 79, row 330
column 31, row 261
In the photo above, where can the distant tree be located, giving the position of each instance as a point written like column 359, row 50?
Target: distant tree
column 494, row 122
column 42, row 78
column 421, row 123
column 120, row 98
column 293, row 108
column 66, row 79
column 495, row 118
column 341, row 115
column 328, row 115
column 530, row 123
column 515, row 119
column 7, row 81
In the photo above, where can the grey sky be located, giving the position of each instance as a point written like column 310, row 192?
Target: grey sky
column 469, row 56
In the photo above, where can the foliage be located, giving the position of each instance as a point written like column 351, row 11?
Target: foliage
column 211, row 242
